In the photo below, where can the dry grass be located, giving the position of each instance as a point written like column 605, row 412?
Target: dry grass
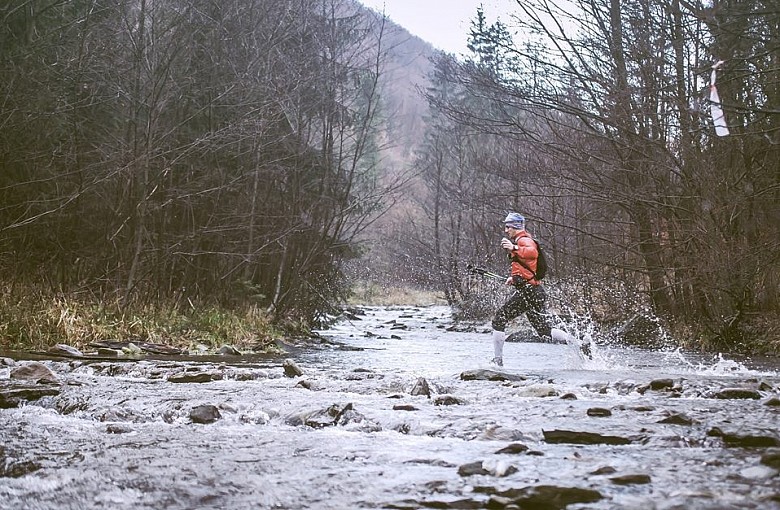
column 35, row 319
column 369, row 293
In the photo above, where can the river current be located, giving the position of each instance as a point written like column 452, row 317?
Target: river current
column 394, row 408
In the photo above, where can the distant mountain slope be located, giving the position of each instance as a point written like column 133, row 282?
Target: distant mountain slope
column 407, row 65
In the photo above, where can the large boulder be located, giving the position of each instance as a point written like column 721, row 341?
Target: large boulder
column 34, row 372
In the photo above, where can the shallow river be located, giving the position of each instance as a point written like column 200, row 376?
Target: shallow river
column 549, row 430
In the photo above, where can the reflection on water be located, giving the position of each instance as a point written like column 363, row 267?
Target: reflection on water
column 121, row 435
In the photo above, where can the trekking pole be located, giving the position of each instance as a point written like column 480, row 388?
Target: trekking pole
column 484, row 272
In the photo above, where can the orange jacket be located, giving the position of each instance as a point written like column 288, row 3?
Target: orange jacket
column 527, row 252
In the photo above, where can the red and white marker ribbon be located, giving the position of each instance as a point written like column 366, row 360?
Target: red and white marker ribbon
column 718, row 119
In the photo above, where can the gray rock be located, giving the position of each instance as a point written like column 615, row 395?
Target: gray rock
column 228, row 350
column 291, row 369
column 330, row 416
column 421, row 388
column 305, row 384
column 35, row 372
column 116, row 428
column 514, row 448
column 448, row 400
column 65, row 350
column 199, row 377
column 472, row 468
column 120, row 414
column 205, row 414
column 599, row 412
column 661, row 384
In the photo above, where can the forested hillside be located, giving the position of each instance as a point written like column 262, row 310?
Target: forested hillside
column 189, row 154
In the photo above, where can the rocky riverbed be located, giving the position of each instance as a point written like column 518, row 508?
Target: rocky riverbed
column 392, row 408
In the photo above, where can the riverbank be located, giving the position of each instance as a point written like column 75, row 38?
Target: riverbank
column 35, row 320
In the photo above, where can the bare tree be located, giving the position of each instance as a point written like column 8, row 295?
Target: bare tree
column 605, row 100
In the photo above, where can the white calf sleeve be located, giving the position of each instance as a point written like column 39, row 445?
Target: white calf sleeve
column 560, row 335
column 498, row 343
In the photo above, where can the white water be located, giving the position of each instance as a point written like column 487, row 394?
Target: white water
column 252, row 458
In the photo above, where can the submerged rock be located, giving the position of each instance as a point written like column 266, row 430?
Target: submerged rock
column 677, row 419
column 514, row 448
column 117, row 428
column 12, row 468
column 199, row 377
column 737, row 393
column 575, row 437
column 489, row 375
column 632, row 479
column 546, row 497
column 750, row 440
column 14, row 394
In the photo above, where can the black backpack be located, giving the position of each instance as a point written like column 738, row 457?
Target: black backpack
column 541, row 262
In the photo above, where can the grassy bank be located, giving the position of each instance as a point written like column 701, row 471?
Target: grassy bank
column 373, row 294
column 36, row 319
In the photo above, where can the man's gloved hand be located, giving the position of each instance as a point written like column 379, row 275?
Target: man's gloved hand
column 507, row 244
column 510, row 281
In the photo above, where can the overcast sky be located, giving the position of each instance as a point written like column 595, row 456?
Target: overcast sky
column 443, row 23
